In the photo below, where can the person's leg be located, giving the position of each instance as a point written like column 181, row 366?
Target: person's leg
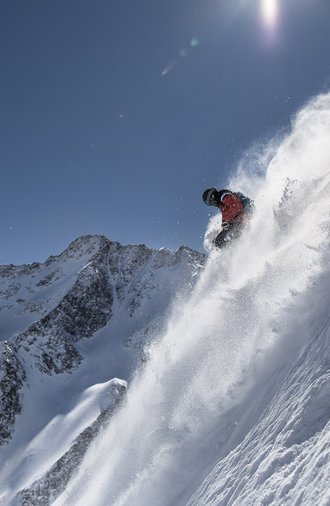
column 226, row 236
column 222, row 239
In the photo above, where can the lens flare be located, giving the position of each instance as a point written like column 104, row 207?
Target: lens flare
column 269, row 10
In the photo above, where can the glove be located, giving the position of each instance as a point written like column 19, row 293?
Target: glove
column 225, row 225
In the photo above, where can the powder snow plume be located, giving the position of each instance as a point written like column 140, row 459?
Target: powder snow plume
column 213, row 375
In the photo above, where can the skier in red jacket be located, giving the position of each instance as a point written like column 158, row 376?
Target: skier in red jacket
column 234, row 208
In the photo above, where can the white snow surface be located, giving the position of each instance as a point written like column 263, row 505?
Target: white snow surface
column 233, row 405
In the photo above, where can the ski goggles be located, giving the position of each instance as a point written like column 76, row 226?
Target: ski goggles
column 210, row 198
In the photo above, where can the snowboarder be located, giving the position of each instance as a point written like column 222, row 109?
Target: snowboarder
column 235, row 209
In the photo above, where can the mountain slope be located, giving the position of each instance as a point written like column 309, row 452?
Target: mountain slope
column 285, row 457
column 69, row 326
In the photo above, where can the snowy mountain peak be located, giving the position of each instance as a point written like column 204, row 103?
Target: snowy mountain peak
column 94, row 288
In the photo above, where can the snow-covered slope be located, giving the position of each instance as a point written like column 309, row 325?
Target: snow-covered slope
column 68, row 327
column 233, row 405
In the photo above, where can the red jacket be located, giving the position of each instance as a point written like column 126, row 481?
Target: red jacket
column 231, row 208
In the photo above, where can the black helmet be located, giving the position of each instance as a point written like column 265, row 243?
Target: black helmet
column 210, row 197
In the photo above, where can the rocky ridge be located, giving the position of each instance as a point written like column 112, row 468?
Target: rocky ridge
column 46, row 309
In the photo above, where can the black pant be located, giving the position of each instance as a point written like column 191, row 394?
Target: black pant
column 226, row 236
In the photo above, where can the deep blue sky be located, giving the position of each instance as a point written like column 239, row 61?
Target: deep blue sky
column 116, row 114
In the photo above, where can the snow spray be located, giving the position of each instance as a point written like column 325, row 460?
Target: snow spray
column 189, row 406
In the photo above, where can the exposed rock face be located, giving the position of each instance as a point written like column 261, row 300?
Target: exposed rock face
column 86, row 308
column 46, row 309
column 12, row 376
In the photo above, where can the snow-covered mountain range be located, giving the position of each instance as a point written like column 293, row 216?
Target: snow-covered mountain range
column 68, row 327
column 133, row 377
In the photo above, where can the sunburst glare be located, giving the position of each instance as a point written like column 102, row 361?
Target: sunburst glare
column 269, row 11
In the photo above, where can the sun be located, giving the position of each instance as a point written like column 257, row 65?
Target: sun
column 269, row 11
